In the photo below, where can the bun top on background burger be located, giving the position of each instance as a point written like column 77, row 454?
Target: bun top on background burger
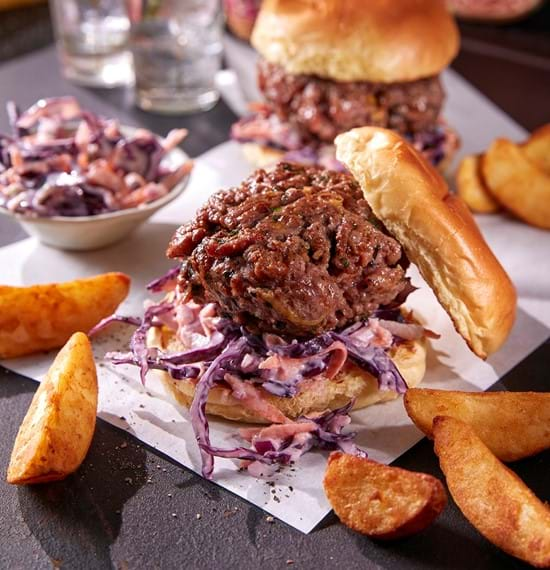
column 287, row 303
column 328, row 66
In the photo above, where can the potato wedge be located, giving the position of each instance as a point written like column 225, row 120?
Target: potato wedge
column 471, row 187
column 42, row 317
column 58, row 428
column 537, row 148
column 380, row 501
column 493, row 498
column 513, row 425
column 517, row 183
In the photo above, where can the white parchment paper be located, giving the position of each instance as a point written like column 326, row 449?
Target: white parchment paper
column 383, row 430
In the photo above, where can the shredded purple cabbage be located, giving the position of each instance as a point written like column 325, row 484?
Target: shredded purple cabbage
column 431, row 143
column 163, row 283
column 229, row 349
column 269, row 130
column 266, row 128
column 375, row 361
column 272, row 452
column 176, row 371
column 218, row 342
column 198, row 408
column 267, row 453
column 296, row 349
column 104, row 323
column 321, row 155
column 141, row 156
column 289, row 388
column 306, row 155
column 61, row 160
column 138, row 342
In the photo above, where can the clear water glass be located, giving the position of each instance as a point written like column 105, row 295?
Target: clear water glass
column 177, row 51
column 92, row 41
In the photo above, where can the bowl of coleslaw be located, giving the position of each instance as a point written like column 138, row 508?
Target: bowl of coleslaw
column 77, row 181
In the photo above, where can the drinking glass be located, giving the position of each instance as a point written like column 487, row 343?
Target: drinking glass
column 92, row 37
column 177, row 51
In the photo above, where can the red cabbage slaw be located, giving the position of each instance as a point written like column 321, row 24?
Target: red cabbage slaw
column 264, row 127
column 62, row 160
column 218, row 352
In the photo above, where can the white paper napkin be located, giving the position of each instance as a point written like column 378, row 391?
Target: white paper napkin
column 383, row 430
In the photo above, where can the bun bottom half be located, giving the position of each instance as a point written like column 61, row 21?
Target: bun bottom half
column 350, row 383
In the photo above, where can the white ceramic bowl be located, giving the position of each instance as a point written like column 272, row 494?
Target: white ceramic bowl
column 81, row 233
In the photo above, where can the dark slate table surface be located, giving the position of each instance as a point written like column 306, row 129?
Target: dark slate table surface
column 117, row 510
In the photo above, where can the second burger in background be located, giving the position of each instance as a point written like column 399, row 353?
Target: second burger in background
column 328, row 66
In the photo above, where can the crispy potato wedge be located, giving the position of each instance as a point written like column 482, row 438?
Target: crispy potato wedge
column 380, row 501
column 493, row 498
column 58, row 428
column 42, row 317
column 513, row 425
column 472, row 189
column 517, row 183
column 537, row 148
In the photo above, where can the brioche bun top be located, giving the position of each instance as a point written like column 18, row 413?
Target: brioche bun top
column 357, row 40
column 436, row 230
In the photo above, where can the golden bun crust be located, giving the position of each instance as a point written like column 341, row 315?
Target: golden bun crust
column 351, row 382
column 261, row 156
column 357, row 40
column 437, row 231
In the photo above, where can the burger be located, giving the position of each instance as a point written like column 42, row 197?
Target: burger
column 287, row 304
column 328, row 66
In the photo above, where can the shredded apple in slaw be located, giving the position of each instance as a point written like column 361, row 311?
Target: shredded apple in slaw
column 61, row 160
column 216, row 352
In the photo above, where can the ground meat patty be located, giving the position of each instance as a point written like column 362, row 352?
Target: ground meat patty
column 295, row 251
column 326, row 108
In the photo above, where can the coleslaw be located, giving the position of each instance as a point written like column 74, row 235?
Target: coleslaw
column 216, row 352
column 62, row 160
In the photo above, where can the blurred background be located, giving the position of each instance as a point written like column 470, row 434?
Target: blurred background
column 25, row 26
column 513, row 34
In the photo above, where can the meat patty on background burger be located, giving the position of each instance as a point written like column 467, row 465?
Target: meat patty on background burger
column 329, row 66
column 287, row 306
